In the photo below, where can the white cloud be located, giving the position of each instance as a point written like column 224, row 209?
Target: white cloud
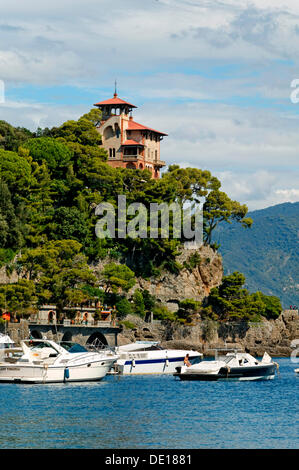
column 199, row 71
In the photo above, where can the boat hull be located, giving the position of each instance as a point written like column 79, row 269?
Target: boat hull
column 263, row 372
column 151, row 366
column 15, row 373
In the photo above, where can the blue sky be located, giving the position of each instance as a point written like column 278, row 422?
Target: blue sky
column 214, row 75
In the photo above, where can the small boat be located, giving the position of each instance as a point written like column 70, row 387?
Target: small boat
column 297, row 371
column 44, row 361
column 147, row 357
column 232, row 366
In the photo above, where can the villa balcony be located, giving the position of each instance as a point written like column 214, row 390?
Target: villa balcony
column 159, row 163
column 131, row 158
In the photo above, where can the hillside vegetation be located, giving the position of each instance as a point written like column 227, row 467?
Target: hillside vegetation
column 52, row 180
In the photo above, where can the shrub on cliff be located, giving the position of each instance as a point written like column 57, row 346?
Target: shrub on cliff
column 230, row 301
column 162, row 313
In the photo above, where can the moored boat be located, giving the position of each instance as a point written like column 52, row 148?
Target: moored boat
column 235, row 365
column 44, row 361
column 148, row 357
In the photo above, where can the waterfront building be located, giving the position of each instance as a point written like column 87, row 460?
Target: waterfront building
column 128, row 143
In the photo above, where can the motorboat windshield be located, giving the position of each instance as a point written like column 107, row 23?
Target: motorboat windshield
column 73, row 347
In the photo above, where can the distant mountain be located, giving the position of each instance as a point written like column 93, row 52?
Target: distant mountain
column 267, row 253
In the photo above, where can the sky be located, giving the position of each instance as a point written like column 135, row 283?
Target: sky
column 215, row 75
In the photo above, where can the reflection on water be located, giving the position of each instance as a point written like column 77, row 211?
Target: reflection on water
column 152, row 412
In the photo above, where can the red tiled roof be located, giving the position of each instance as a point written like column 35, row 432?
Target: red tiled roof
column 135, row 126
column 114, row 101
column 132, row 142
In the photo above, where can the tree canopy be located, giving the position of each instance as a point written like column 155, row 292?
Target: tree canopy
column 52, row 180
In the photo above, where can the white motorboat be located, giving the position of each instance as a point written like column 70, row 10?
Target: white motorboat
column 44, row 361
column 233, row 366
column 297, row 371
column 147, row 357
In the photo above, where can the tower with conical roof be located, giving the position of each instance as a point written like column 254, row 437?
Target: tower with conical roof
column 128, row 143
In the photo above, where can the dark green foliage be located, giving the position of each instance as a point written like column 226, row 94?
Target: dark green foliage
column 192, row 262
column 123, row 308
column 6, row 255
column 188, row 307
column 11, row 236
column 230, row 301
column 163, row 313
column 50, row 184
column 12, row 137
column 118, row 278
column 56, row 155
column 138, row 303
column 70, row 223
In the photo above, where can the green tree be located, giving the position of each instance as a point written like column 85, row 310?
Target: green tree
column 123, row 308
column 15, row 171
column 69, row 223
column 118, row 278
column 230, row 301
column 218, row 208
column 187, row 308
column 46, row 149
column 19, row 298
column 272, row 305
column 12, row 137
column 163, row 313
column 61, row 273
column 138, row 302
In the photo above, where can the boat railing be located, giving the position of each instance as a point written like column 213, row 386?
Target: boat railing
column 98, row 346
column 222, row 352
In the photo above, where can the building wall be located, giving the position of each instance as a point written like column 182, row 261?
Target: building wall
column 148, row 156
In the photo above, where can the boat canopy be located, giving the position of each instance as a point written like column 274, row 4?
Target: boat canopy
column 5, row 339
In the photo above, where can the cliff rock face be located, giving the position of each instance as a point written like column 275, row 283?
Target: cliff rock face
column 274, row 336
column 5, row 279
column 190, row 283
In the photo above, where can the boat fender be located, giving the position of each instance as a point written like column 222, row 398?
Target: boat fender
column 133, row 362
column 277, row 367
column 167, row 363
column 228, row 370
column 66, row 373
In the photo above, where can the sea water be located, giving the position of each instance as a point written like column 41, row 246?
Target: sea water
column 153, row 412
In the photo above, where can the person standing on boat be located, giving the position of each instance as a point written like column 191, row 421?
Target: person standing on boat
column 186, row 361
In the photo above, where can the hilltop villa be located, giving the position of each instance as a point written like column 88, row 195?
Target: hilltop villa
column 128, row 143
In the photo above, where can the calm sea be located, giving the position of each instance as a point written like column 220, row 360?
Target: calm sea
column 155, row 412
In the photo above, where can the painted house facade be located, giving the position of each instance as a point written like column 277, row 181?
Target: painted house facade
column 128, row 143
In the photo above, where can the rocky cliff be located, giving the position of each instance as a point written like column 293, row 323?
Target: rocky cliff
column 273, row 336
column 194, row 280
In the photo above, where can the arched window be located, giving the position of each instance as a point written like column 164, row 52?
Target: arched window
column 113, row 153
column 110, row 153
column 108, row 132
